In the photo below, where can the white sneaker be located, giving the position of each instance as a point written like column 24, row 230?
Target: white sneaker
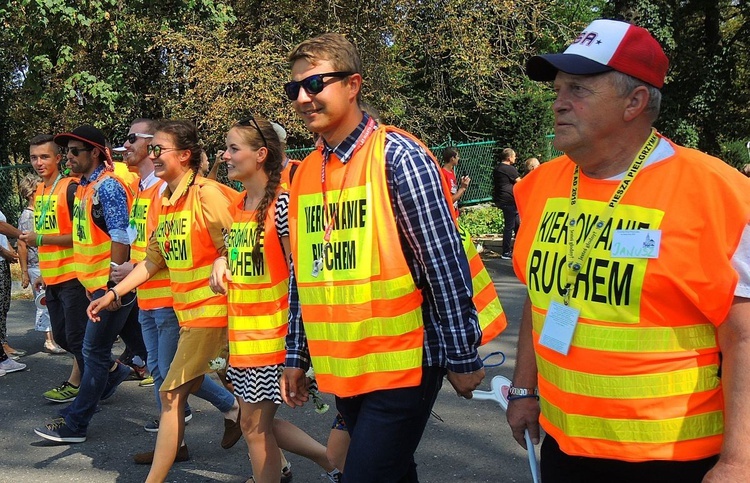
column 9, row 365
column 2, row 373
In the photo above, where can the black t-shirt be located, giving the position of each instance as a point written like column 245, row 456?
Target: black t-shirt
column 504, row 176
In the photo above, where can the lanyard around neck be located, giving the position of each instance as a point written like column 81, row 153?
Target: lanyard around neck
column 45, row 206
column 369, row 128
column 576, row 262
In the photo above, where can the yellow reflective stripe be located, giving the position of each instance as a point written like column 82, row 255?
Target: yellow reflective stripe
column 200, row 293
column 481, row 280
column 635, row 430
column 93, row 283
column 255, row 347
column 154, row 293
column 369, row 363
column 639, row 339
column 91, row 250
column 204, row 311
column 57, row 271
column 56, row 255
column 183, row 276
column 258, row 295
column 491, row 312
column 258, row 322
column 364, row 291
column 372, row 327
column 665, row 384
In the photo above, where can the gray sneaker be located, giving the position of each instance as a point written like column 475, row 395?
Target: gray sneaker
column 9, row 365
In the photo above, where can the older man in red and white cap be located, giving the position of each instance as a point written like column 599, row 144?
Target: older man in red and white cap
column 635, row 337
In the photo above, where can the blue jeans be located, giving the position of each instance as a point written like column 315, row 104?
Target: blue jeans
column 97, row 359
column 67, row 303
column 386, row 427
column 161, row 333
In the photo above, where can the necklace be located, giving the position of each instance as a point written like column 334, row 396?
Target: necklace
column 234, row 249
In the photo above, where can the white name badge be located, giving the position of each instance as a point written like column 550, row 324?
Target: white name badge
column 559, row 326
column 132, row 233
column 636, row 244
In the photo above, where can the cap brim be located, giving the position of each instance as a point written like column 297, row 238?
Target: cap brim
column 64, row 138
column 545, row 67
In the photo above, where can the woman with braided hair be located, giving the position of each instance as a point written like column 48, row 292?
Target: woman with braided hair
column 254, row 273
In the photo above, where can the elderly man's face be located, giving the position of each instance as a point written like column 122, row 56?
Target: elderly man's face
column 588, row 112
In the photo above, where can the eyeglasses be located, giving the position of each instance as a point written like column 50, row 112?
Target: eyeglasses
column 76, row 151
column 313, row 84
column 133, row 137
column 157, row 149
column 248, row 121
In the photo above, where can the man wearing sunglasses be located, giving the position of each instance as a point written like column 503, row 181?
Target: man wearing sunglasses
column 100, row 242
column 368, row 210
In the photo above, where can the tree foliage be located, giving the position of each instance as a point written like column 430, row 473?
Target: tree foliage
column 443, row 69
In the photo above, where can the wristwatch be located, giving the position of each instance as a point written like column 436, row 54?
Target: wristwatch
column 522, row 391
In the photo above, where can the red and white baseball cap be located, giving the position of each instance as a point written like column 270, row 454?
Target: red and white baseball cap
column 603, row 46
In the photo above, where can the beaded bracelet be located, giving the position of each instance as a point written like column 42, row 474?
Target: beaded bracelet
column 39, row 240
column 513, row 398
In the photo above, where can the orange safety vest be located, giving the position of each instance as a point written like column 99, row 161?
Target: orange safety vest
column 640, row 381
column 92, row 246
column 286, row 173
column 258, row 294
column 55, row 262
column 362, row 312
column 155, row 293
column 189, row 252
column 490, row 312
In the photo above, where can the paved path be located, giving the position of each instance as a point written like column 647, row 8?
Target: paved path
column 472, row 443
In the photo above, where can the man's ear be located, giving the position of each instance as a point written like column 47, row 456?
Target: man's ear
column 637, row 102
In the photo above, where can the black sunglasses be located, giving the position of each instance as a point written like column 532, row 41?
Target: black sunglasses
column 157, row 149
column 76, row 151
column 313, row 84
column 250, row 121
column 133, row 137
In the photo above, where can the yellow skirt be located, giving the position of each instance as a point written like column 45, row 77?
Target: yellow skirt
column 195, row 349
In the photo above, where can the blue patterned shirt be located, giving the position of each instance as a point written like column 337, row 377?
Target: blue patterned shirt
column 114, row 203
column 433, row 251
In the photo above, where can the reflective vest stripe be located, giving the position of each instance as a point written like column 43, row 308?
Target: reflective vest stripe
column 635, row 430
column 356, row 312
column 391, row 290
column 342, row 331
column 354, row 384
column 155, row 297
column 638, row 339
column 186, row 276
column 203, row 316
column 56, row 263
column 257, row 360
column 264, row 325
column 391, row 361
column 194, row 295
column 641, row 386
column 269, row 295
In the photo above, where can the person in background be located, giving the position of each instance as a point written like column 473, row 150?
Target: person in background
column 504, row 177
column 52, row 235
column 531, row 164
column 7, row 256
column 450, row 161
column 28, row 257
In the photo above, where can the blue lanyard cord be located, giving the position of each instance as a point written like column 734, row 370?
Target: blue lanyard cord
column 492, row 354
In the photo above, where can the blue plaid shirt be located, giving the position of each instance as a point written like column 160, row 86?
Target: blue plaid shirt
column 114, row 203
column 433, row 251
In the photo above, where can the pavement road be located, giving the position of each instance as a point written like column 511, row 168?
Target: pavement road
column 471, row 441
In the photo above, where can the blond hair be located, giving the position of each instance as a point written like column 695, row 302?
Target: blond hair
column 27, row 186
